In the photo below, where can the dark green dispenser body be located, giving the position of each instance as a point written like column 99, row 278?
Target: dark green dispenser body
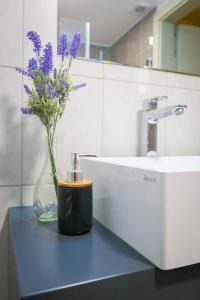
column 75, row 207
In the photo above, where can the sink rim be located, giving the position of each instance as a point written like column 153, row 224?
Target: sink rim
column 160, row 164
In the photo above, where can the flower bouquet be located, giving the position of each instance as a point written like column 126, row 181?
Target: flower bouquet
column 47, row 98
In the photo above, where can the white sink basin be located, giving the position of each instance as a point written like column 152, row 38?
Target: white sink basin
column 151, row 203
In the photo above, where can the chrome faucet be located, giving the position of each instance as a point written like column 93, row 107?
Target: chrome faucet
column 150, row 118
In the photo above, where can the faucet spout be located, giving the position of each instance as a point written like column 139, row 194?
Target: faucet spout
column 174, row 110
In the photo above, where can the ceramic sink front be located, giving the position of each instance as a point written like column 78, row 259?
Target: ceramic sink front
column 151, row 203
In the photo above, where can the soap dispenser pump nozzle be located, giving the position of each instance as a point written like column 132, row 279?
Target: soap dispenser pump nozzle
column 75, row 174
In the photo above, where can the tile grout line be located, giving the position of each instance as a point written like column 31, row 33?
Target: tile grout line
column 137, row 82
column 166, row 92
column 17, row 185
column 22, row 97
column 10, row 186
column 7, row 67
column 121, row 80
column 141, row 83
column 102, row 116
column 153, row 84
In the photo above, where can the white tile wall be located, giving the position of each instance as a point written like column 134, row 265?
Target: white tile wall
column 121, row 103
column 33, row 143
column 104, row 119
column 183, row 81
column 27, row 194
column 33, row 147
column 123, row 73
column 10, row 33
column 10, row 127
column 182, row 133
column 39, row 16
column 33, row 132
column 87, row 68
column 121, row 122
column 151, row 77
column 80, row 129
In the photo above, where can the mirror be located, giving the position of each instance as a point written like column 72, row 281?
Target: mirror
column 159, row 34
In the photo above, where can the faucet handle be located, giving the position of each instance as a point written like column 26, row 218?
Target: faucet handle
column 152, row 103
column 157, row 99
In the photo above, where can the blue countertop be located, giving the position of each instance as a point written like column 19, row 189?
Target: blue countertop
column 49, row 261
column 97, row 265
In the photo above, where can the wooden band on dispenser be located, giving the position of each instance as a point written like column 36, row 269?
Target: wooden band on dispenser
column 82, row 183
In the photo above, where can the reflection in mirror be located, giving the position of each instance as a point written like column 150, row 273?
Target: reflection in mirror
column 161, row 34
column 180, row 39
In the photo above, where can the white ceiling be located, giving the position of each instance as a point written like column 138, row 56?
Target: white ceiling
column 109, row 19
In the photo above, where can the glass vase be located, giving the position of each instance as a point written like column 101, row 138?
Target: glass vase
column 45, row 193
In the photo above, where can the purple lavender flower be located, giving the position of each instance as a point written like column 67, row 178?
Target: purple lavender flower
column 51, row 93
column 56, row 91
column 27, row 111
column 21, row 71
column 32, row 65
column 65, row 83
column 55, row 73
column 39, row 90
column 39, row 69
column 63, row 97
column 46, row 62
column 27, row 90
column 35, row 38
column 75, row 45
column 62, row 47
column 79, row 86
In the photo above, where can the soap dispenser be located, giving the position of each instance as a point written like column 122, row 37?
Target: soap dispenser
column 75, row 201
